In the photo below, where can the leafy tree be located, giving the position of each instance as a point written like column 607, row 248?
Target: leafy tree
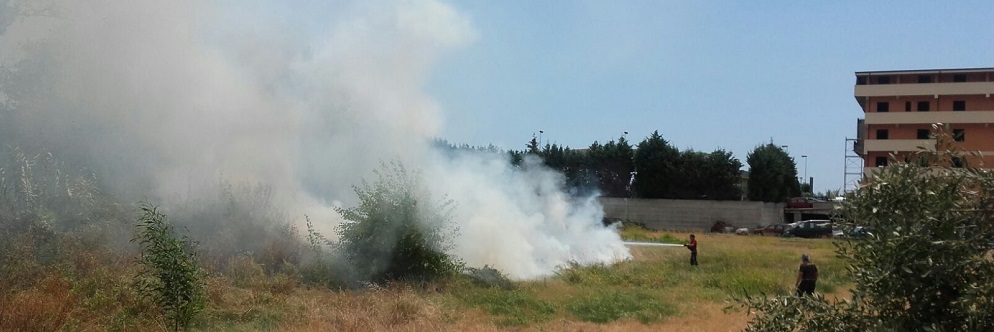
column 572, row 164
column 398, row 231
column 581, row 179
column 806, row 190
column 655, row 160
column 702, row 175
column 829, row 194
column 772, row 174
column 533, row 145
column 924, row 266
column 613, row 164
column 554, row 156
column 721, row 176
column 531, row 148
column 665, row 172
column 689, row 180
column 170, row 274
column 516, row 157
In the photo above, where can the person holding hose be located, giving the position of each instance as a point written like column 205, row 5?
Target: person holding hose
column 693, row 250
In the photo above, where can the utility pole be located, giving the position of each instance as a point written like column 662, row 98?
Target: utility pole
column 805, row 168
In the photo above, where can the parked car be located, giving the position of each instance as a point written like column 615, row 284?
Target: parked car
column 774, row 229
column 811, row 229
column 838, row 233
column 722, row 227
column 742, row 231
column 861, row 231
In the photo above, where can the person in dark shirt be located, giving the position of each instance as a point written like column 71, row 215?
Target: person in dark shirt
column 807, row 276
column 693, row 250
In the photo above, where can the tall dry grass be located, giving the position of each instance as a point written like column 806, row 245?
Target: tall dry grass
column 657, row 290
column 43, row 307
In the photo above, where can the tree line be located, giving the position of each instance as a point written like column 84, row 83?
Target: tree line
column 654, row 168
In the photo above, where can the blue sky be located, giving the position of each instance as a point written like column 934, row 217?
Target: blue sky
column 705, row 74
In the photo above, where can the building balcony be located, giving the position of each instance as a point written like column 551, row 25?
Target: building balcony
column 930, row 117
column 898, row 145
column 925, row 89
column 869, row 172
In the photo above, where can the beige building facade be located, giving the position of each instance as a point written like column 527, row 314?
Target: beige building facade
column 900, row 107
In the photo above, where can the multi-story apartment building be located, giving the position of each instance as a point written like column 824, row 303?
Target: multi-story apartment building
column 901, row 106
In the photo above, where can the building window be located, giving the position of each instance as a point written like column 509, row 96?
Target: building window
column 881, row 161
column 882, row 134
column 883, row 106
column 959, row 105
column 924, row 78
column 907, row 106
column 959, row 78
column 883, row 79
column 923, row 106
column 861, row 80
column 958, row 162
column 923, row 134
column 959, row 135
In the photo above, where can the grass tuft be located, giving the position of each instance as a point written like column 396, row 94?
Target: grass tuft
column 45, row 307
column 637, row 233
column 512, row 307
column 608, row 306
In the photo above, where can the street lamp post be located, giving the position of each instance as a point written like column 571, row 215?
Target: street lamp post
column 805, row 167
column 631, row 191
column 540, row 132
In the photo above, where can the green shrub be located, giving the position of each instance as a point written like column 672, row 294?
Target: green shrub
column 281, row 254
column 317, row 268
column 244, row 271
column 169, row 275
column 398, row 231
column 239, row 219
column 490, row 277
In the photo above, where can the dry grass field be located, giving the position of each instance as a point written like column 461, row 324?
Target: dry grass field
column 657, row 291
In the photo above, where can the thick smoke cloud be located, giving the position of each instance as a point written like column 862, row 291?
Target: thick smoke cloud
column 160, row 97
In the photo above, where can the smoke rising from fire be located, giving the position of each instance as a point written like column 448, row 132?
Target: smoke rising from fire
column 160, row 97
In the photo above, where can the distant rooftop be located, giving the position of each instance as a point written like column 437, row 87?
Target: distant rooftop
column 926, row 71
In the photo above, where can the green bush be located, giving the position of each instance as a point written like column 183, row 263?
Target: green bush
column 239, row 219
column 398, row 231
column 318, row 267
column 489, row 277
column 170, row 274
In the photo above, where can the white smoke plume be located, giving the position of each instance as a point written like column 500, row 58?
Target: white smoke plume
column 159, row 97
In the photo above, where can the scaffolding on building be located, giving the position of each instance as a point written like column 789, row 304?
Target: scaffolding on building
column 854, row 165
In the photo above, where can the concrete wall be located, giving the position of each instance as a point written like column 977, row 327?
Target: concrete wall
column 692, row 215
